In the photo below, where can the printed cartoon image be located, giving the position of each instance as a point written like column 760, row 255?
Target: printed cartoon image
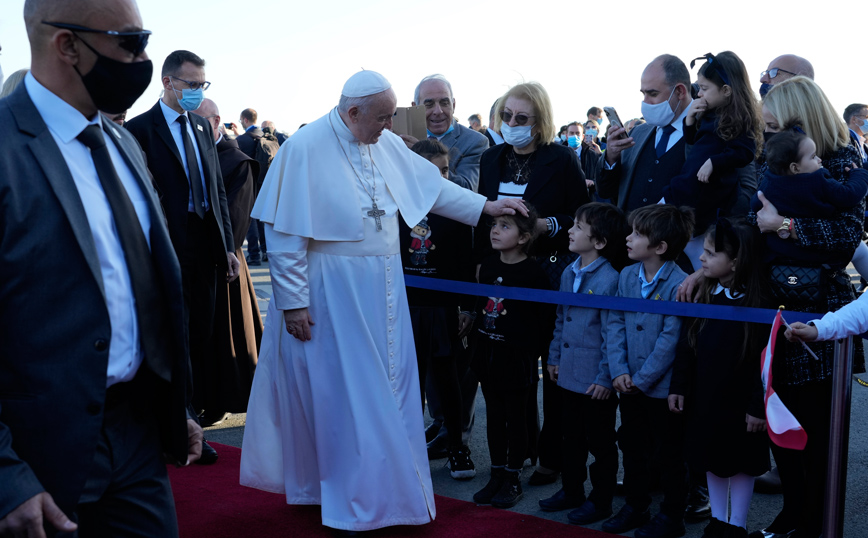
column 421, row 243
column 493, row 308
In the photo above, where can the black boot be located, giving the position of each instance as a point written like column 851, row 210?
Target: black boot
column 510, row 493
column 484, row 496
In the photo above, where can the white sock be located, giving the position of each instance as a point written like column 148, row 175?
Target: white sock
column 742, row 492
column 718, row 495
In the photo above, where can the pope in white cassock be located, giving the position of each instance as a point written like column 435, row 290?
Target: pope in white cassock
column 334, row 416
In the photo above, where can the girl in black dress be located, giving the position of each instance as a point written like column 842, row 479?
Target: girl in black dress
column 716, row 380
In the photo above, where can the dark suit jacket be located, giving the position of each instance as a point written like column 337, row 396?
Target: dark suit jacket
column 247, row 141
column 556, row 189
column 54, row 323
column 164, row 162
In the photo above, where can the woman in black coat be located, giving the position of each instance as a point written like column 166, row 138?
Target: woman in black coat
column 548, row 176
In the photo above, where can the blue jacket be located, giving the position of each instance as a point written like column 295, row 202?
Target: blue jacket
column 577, row 346
column 643, row 345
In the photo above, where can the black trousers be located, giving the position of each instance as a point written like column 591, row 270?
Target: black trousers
column 549, row 445
column 127, row 492
column 803, row 472
column 255, row 239
column 441, row 359
column 651, row 433
column 589, row 426
column 506, row 414
column 199, row 278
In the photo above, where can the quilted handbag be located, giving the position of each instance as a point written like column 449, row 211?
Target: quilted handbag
column 795, row 284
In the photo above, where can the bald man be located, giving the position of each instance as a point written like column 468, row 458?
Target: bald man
column 783, row 68
column 93, row 366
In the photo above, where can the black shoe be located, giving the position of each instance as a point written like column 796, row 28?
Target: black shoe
column 716, row 529
column 208, row 418
column 698, row 506
column 510, row 492
column 626, row 519
column 589, row 513
column 254, row 263
column 764, row 533
column 661, row 526
column 768, row 482
column 264, row 256
column 438, row 448
column 432, row 431
column 460, row 465
column 732, row 531
column 561, row 501
column 541, row 479
column 484, row 496
column 209, row 455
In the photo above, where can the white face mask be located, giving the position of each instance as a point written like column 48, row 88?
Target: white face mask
column 660, row 114
column 518, row 136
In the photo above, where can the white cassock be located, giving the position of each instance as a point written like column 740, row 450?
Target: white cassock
column 336, row 421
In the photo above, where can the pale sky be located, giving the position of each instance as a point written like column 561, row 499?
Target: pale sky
column 289, row 60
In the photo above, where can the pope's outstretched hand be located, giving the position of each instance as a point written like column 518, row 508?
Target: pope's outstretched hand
column 505, row 206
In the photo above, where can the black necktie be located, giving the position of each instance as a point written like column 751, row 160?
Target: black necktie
column 140, row 263
column 664, row 140
column 193, row 166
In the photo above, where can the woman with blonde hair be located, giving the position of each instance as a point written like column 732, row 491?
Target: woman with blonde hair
column 548, row 176
column 12, row 82
column 803, row 383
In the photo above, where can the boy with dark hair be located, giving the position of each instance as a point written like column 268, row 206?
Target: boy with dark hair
column 640, row 350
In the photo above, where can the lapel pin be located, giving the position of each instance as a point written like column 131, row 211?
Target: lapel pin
column 115, row 131
column 200, row 128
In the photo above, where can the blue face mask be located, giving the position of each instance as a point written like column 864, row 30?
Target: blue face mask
column 518, row 136
column 451, row 128
column 864, row 126
column 592, row 133
column 764, row 88
column 574, row 141
column 599, row 121
column 190, row 99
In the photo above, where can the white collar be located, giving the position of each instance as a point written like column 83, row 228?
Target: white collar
column 170, row 115
column 729, row 293
column 59, row 116
column 337, row 123
column 679, row 121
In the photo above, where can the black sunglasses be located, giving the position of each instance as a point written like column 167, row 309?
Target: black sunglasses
column 520, row 119
column 709, row 57
column 134, row 42
column 773, row 72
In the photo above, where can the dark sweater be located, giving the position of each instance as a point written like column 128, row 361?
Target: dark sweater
column 816, row 195
column 722, row 188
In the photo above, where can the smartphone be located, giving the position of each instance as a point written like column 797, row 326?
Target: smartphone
column 227, row 125
column 612, row 115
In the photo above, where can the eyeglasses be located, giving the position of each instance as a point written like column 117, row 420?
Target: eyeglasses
column 709, row 57
column 773, row 72
column 520, row 119
column 133, row 42
column 194, row 85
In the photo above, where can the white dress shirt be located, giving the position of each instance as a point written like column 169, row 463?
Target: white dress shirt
column 175, row 128
column 65, row 123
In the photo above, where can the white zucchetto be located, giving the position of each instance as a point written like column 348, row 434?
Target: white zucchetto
column 365, row 83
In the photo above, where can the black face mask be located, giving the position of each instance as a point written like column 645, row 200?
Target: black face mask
column 114, row 86
column 767, row 135
column 764, row 88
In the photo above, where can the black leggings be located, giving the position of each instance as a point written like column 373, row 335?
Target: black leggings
column 506, row 413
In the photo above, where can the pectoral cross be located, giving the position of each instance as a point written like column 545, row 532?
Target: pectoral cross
column 376, row 213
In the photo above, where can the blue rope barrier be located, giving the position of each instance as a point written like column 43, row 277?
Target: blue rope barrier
column 669, row 308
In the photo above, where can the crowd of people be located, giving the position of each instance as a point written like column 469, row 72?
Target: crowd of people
column 711, row 196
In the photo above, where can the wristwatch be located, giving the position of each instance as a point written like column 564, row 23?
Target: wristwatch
column 786, row 228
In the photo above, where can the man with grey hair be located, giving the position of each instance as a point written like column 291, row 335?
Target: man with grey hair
column 91, row 401
column 337, row 370
column 465, row 145
column 783, row 68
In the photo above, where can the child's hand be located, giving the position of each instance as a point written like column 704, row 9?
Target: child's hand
column 705, row 172
column 465, row 323
column 598, row 392
column 553, row 372
column 852, row 166
column 754, row 424
column 697, row 109
column 624, row 384
column 799, row 332
column 676, row 403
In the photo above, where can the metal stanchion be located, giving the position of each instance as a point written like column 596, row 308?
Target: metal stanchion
column 839, row 438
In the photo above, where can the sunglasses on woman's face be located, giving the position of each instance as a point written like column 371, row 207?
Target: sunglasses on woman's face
column 520, row 119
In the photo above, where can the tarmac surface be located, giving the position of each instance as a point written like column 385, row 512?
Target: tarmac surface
column 764, row 507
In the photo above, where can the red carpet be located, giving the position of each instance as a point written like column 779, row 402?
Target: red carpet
column 211, row 503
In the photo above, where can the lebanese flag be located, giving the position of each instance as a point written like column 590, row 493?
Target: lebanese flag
column 784, row 430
